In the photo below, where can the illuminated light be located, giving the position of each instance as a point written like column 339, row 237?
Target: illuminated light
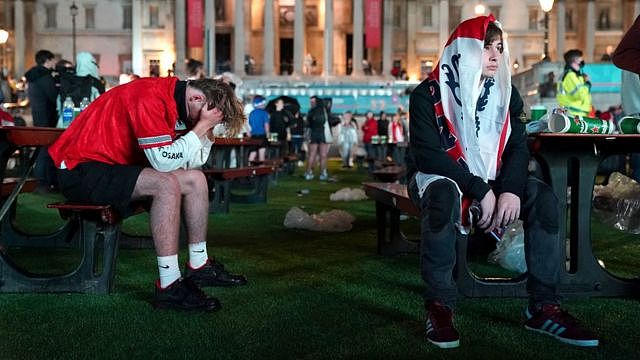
column 479, row 9
column 546, row 5
column 4, row 36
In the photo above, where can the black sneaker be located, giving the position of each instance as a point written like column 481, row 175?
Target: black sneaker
column 183, row 294
column 553, row 321
column 212, row 273
column 439, row 326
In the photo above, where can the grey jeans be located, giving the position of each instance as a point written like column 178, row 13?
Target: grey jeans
column 539, row 213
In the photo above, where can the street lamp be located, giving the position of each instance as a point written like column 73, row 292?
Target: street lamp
column 4, row 36
column 73, row 9
column 546, row 6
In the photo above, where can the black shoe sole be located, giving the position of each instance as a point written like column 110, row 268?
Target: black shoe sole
column 220, row 283
column 214, row 306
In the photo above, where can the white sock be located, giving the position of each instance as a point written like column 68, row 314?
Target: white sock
column 198, row 254
column 169, row 270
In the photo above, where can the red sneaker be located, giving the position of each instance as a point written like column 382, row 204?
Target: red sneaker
column 439, row 326
column 553, row 321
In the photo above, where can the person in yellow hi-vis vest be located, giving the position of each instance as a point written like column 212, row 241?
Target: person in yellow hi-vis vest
column 574, row 87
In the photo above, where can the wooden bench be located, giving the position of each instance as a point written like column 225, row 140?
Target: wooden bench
column 392, row 199
column 8, row 184
column 220, row 183
column 389, row 173
column 286, row 163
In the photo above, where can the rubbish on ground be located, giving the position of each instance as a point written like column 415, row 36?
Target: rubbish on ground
column 327, row 221
column 348, row 194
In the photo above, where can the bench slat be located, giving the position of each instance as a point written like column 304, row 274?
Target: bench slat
column 391, row 194
column 234, row 173
column 8, row 184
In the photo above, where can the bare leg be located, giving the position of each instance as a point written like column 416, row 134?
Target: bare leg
column 311, row 160
column 195, row 203
column 324, row 151
column 261, row 153
column 166, row 191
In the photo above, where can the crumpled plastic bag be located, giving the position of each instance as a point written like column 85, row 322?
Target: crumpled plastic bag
column 509, row 252
column 327, row 221
column 348, row 194
column 618, row 203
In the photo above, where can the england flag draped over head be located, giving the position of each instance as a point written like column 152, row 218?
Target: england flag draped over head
column 475, row 111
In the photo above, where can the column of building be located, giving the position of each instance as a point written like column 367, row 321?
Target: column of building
column 19, row 38
column 238, row 38
column 358, row 47
column 137, row 57
column 561, row 29
column 210, row 37
column 298, row 37
column 327, row 62
column 268, row 39
column 413, row 67
column 443, row 25
column 590, row 31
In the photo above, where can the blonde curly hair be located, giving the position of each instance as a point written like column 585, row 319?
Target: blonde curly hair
column 220, row 94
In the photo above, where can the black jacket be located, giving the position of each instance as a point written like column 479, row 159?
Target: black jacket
column 427, row 155
column 42, row 93
column 278, row 123
column 316, row 118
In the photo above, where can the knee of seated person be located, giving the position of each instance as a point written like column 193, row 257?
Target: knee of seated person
column 440, row 199
column 167, row 183
column 197, row 179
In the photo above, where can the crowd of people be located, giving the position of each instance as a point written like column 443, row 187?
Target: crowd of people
column 309, row 136
column 51, row 85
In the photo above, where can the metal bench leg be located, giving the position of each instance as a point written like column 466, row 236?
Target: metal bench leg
column 12, row 236
column 259, row 193
column 391, row 240
column 83, row 279
column 219, row 202
column 224, row 190
column 472, row 286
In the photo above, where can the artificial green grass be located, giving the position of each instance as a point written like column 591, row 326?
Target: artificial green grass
column 311, row 295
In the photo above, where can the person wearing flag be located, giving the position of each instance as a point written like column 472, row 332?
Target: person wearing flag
column 468, row 146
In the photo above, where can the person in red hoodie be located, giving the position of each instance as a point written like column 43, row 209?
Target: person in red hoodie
column 369, row 129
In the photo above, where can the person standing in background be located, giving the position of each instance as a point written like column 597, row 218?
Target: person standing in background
column 279, row 120
column 396, row 140
column 369, row 129
column 297, row 137
column 259, row 123
column 319, row 138
column 348, row 138
column 383, row 133
column 195, row 69
column 42, row 94
column 574, row 87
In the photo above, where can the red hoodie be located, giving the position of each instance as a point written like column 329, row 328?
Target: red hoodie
column 369, row 128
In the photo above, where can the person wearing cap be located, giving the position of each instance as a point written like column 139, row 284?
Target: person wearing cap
column 259, row 124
